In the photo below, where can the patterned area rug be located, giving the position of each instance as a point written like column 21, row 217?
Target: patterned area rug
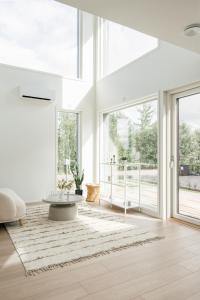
column 44, row 245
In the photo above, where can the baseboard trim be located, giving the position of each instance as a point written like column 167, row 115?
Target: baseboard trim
column 187, row 224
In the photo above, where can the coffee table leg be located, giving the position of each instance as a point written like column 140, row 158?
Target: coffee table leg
column 63, row 212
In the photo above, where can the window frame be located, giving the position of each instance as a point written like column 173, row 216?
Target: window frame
column 79, row 24
column 174, row 153
column 79, row 44
column 100, row 125
column 102, row 49
column 78, row 113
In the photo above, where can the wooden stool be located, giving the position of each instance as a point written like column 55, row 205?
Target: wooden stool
column 93, row 192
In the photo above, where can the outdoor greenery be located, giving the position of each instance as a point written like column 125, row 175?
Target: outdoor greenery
column 142, row 135
column 189, row 147
column 136, row 141
column 67, row 141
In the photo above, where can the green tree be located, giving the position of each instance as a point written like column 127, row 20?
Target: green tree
column 131, row 149
column 141, row 135
column 113, row 120
column 145, row 116
column 122, row 149
column 186, row 145
column 146, row 144
column 196, row 137
column 146, row 135
column 67, row 139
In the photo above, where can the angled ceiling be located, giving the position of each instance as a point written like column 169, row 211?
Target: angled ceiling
column 164, row 19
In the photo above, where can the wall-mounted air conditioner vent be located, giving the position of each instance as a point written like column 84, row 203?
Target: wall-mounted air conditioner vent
column 36, row 93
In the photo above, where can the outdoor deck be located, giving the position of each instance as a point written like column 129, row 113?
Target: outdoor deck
column 189, row 201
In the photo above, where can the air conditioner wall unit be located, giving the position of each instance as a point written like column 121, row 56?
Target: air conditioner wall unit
column 36, row 93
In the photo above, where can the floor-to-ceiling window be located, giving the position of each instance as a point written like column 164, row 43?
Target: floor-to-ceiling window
column 67, row 143
column 120, row 45
column 40, row 35
column 130, row 135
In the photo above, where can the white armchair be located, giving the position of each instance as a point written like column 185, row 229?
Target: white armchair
column 12, row 207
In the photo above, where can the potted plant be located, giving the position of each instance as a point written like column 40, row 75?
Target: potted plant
column 64, row 185
column 78, row 178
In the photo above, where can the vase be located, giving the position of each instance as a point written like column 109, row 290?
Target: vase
column 61, row 195
column 79, row 192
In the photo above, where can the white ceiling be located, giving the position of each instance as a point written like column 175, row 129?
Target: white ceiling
column 164, row 19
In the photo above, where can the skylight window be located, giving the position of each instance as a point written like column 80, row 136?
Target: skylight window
column 121, row 45
column 40, row 35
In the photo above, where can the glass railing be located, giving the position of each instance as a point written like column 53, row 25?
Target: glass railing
column 130, row 185
column 189, row 190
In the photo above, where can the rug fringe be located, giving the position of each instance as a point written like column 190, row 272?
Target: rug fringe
column 81, row 259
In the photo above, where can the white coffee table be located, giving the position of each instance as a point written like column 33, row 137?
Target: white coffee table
column 63, row 209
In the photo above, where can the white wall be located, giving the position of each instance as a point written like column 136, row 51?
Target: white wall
column 27, row 135
column 27, row 128
column 164, row 68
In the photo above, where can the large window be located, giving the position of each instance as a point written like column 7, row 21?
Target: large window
column 121, row 45
column 41, row 35
column 67, row 142
column 130, row 136
column 132, row 133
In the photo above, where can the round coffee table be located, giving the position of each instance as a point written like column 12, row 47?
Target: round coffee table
column 63, row 209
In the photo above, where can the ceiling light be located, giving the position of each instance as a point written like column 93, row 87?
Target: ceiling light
column 192, row 30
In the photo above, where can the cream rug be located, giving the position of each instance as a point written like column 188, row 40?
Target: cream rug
column 43, row 244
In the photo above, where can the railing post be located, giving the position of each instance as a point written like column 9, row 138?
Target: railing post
column 125, row 194
column 139, row 169
column 111, row 181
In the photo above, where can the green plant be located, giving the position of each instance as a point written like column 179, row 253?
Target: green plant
column 64, row 185
column 78, row 175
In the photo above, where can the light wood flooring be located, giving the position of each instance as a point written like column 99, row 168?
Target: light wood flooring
column 165, row 269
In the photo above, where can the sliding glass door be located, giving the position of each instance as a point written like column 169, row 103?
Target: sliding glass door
column 186, row 133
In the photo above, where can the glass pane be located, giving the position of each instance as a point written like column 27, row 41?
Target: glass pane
column 40, row 35
column 123, row 45
column 118, row 184
column 67, row 134
column 149, row 186
column 133, row 185
column 130, row 137
column 105, row 181
column 189, row 156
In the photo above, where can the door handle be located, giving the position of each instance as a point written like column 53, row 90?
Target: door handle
column 171, row 164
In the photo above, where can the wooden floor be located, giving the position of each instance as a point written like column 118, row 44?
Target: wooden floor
column 166, row 269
